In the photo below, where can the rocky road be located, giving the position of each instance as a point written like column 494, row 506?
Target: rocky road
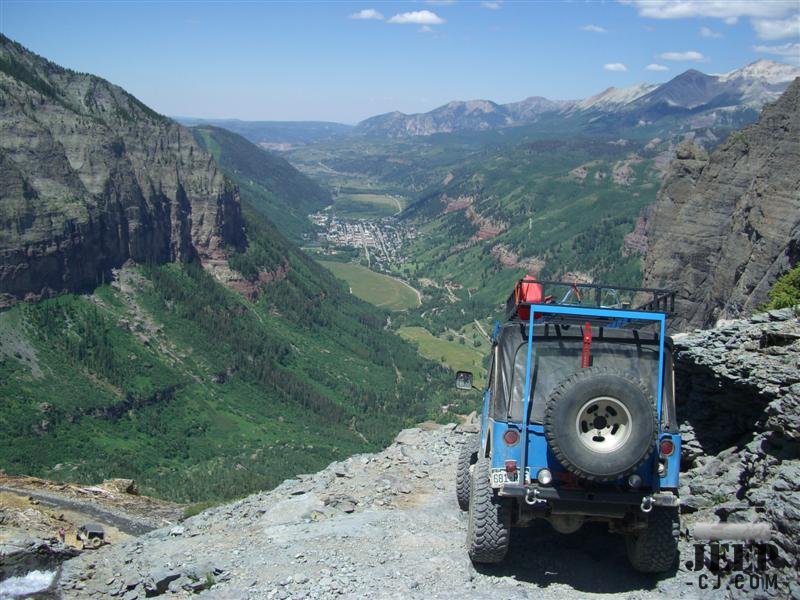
column 378, row 526
column 387, row 525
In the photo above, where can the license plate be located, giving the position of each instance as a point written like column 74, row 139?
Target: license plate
column 501, row 476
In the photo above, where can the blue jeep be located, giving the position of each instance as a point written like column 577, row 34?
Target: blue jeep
column 578, row 422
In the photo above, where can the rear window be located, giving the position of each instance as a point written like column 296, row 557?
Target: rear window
column 557, row 355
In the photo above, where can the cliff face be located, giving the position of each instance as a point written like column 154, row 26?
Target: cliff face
column 725, row 227
column 90, row 177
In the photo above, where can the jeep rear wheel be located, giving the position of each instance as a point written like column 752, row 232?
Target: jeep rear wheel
column 601, row 424
column 654, row 549
column 489, row 527
column 466, row 458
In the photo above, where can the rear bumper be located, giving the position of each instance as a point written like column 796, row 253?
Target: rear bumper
column 593, row 502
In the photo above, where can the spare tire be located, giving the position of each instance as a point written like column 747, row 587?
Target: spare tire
column 601, row 424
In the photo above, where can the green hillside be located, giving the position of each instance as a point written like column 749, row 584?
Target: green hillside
column 273, row 186
column 560, row 208
column 168, row 377
column 561, row 195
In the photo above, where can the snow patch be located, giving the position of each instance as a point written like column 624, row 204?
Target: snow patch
column 765, row 70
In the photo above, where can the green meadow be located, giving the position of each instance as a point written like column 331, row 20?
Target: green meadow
column 375, row 288
column 454, row 354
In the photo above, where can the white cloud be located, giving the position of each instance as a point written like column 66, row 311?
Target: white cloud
column 727, row 10
column 426, row 29
column 367, row 14
column 709, row 33
column 594, row 29
column 492, row 4
column 789, row 50
column 776, row 29
column 417, row 17
column 615, row 67
column 772, row 19
column 690, row 55
column 440, row 2
column 656, row 67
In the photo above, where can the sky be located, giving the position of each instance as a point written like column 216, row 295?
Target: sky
column 346, row 61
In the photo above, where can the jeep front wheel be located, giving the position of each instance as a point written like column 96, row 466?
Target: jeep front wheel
column 489, row 527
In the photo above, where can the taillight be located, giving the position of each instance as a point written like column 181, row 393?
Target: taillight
column 666, row 447
column 511, row 437
column 511, row 467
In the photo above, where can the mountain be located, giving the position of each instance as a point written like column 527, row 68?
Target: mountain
column 206, row 356
column 761, row 81
column 276, row 135
column 273, row 186
column 90, row 178
column 528, row 110
column 453, row 116
column 612, row 98
column 691, row 93
column 725, row 227
column 688, row 90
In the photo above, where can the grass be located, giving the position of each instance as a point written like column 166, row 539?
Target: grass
column 375, row 288
column 368, row 205
column 457, row 356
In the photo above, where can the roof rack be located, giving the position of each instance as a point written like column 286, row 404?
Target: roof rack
column 603, row 305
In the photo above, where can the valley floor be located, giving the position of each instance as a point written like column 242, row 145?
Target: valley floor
column 374, row 526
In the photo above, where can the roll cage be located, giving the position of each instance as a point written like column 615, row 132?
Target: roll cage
column 582, row 318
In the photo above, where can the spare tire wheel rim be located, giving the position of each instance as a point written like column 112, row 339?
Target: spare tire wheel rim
column 603, row 424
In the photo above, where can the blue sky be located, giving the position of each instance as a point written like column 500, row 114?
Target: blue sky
column 318, row 61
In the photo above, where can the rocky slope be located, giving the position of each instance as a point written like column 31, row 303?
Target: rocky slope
column 726, row 226
column 32, row 511
column 379, row 526
column 387, row 525
column 738, row 392
column 90, row 177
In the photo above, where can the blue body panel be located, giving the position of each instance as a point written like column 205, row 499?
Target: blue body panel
column 532, row 450
column 541, row 457
column 670, row 480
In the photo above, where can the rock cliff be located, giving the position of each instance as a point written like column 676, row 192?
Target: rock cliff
column 738, row 393
column 90, row 177
column 725, row 227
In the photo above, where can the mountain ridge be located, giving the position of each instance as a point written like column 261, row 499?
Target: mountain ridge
column 92, row 177
column 750, row 86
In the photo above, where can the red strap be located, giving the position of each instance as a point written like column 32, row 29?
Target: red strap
column 586, row 355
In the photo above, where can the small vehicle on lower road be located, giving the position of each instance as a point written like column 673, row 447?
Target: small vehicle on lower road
column 578, row 422
column 92, row 535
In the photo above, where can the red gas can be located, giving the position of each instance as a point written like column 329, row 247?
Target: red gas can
column 528, row 290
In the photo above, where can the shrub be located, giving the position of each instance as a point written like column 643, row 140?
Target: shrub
column 786, row 291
